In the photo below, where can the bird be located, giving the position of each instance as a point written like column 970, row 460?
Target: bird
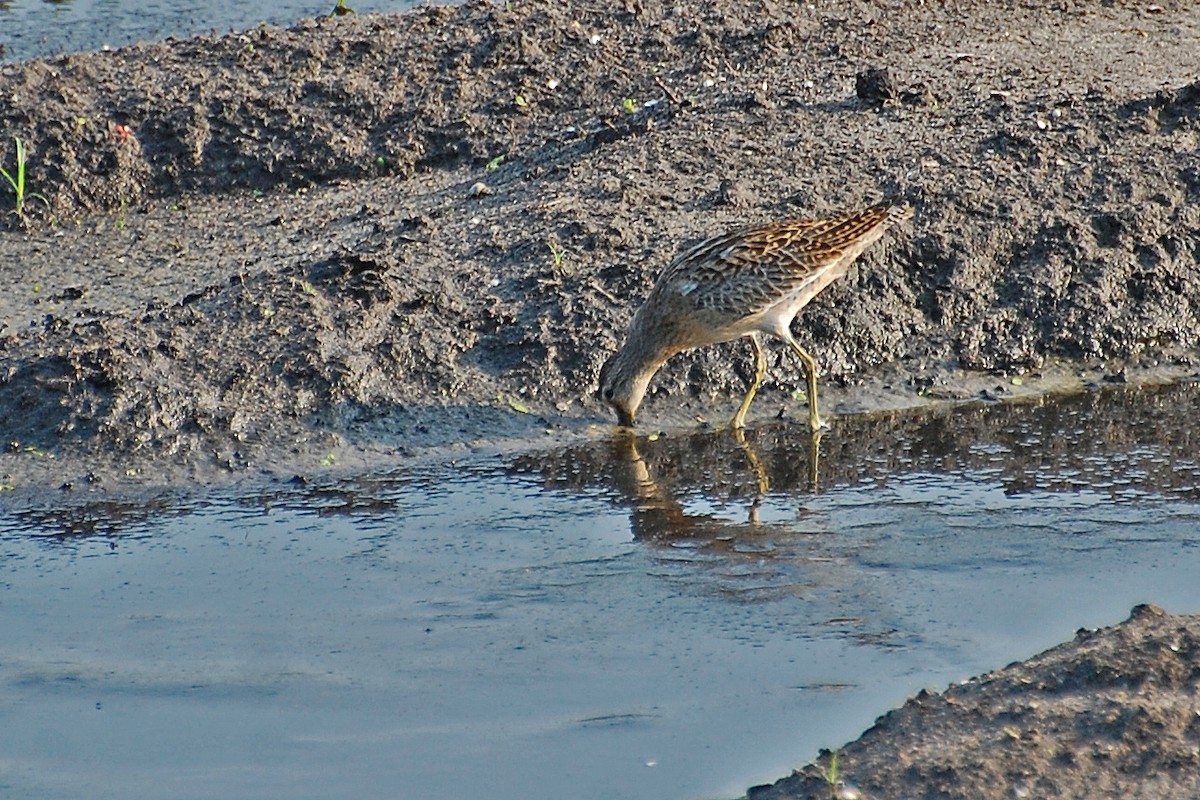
column 749, row 282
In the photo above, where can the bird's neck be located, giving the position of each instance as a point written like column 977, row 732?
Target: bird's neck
column 644, row 351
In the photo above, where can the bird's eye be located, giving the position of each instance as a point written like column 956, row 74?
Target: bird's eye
column 608, row 393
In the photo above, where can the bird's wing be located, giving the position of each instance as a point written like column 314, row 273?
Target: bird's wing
column 753, row 268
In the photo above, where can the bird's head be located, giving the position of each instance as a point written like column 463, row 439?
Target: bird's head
column 623, row 384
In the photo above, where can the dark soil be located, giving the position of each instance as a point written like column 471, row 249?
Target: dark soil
column 365, row 236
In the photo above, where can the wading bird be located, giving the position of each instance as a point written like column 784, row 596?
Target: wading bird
column 748, row 282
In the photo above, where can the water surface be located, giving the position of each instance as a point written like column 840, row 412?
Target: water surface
column 599, row 622
column 33, row 28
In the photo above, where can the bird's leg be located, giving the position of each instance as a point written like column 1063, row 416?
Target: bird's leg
column 810, row 370
column 760, row 369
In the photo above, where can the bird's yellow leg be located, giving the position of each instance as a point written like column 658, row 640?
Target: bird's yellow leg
column 810, row 370
column 760, row 369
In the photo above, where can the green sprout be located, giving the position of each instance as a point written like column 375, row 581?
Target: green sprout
column 521, row 101
column 341, row 9
column 832, row 773
column 630, row 105
column 18, row 183
column 494, row 164
column 557, row 255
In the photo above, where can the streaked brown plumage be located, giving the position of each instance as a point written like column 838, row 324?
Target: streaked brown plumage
column 747, row 282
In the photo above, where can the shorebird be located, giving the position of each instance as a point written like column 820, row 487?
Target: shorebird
column 748, row 282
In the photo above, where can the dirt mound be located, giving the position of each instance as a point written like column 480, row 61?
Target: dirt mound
column 1111, row 714
column 354, row 97
column 258, row 237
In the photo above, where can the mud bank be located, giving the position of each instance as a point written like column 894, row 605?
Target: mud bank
column 1110, row 714
column 364, row 228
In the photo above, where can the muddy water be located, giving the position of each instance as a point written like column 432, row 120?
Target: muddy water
column 34, row 28
column 600, row 622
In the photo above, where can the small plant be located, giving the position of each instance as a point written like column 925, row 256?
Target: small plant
column 18, row 183
column 838, row 788
column 521, row 101
column 494, row 164
column 630, row 105
column 341, row 9
column 832, row 773
column 557, row 255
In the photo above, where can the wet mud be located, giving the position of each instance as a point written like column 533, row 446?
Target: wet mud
column 431, row 228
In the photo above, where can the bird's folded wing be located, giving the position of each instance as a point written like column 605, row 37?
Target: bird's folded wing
column 752, row 269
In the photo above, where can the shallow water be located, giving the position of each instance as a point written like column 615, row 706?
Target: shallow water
column 599, row 622
column 33, row 28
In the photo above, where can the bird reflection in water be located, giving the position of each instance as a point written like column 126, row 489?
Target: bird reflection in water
column 657, row 513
